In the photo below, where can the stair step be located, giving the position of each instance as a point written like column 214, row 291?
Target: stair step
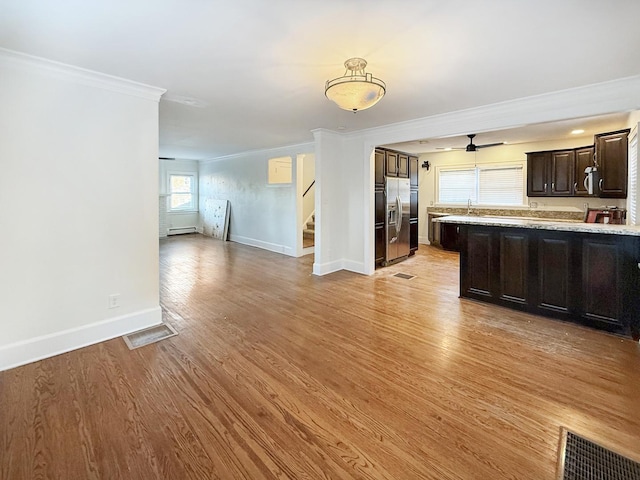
column 311, row 225
column 306, row 233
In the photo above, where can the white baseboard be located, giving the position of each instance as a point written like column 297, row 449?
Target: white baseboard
column 272, row 247
column 327, row 268
column 45, row 346
column 336, row 265
column 181, row 230
column 424, row 240
column 356, row 267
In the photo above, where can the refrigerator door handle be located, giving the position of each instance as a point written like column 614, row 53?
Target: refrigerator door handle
column 399, row 210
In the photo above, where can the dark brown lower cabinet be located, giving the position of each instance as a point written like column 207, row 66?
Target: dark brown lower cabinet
column 602, row 265
column 592, row 279
column 413, row 235
column 553, row 274
column 480, row 257
column 514, row 267
column 449, row 234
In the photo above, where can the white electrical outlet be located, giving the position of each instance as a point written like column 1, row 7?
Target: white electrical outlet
column 114, row 300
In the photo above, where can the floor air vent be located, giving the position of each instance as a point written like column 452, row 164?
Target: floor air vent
column 404, row 276
column 581, row 459
column 149, row 335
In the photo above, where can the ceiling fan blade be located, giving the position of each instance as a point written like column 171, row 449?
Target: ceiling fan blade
column 486, row 145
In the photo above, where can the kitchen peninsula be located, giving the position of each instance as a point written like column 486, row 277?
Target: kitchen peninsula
column 582, row 272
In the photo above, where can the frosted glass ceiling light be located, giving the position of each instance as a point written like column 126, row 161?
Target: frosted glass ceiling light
column 355, row 90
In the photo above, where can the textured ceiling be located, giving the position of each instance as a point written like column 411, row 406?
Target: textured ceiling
column 250, row 74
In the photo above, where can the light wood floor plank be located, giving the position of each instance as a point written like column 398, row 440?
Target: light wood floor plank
column 277, row 373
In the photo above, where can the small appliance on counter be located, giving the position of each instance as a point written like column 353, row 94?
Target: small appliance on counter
column 612, row 215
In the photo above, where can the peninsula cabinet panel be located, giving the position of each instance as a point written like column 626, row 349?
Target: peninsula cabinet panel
column 479, row 263
column 553, row 274
column 601, row 286
column 514, row 267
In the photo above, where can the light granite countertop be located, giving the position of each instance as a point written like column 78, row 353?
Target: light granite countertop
column 542, row 224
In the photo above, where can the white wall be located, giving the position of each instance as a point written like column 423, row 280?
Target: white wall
column 261, row 215
column 79, row 204
column 331, row 203
column 181, row 219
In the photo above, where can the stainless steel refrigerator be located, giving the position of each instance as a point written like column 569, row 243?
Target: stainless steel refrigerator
column 397, row 219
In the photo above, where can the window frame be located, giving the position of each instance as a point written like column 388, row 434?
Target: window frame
column 478, row 167
column 193, row 206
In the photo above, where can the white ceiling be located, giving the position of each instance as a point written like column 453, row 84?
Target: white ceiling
column 249, row 74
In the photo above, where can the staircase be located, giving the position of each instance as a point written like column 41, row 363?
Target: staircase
column 309, row 232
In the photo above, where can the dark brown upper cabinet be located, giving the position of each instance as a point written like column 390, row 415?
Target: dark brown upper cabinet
column 413, row 171
column 558, row 173
column 397, row 164
column 562, row 168
column 391, row 168
column 538, row 174
column 611, row 158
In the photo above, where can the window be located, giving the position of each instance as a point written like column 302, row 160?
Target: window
column 484, row 185
column 183, row 192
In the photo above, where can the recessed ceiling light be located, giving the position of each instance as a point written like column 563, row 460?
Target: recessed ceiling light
column 447, row 149
column 577, row 131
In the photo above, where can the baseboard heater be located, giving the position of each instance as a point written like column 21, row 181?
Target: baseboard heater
column 181, row 230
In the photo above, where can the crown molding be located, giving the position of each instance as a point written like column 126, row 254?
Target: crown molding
column 308, row 147
column 82, row 76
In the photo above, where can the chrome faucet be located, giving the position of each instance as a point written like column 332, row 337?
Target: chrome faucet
column 469, row 207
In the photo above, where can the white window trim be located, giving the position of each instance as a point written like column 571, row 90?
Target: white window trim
column 484, row 166
column 194, row 193
column 288, row 184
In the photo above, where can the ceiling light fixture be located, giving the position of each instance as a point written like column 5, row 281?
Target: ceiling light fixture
column 577, row 131
column 355, row 90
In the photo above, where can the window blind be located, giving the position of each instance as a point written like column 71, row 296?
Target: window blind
column 501, row 186
column 457, row 186
column 482, row 185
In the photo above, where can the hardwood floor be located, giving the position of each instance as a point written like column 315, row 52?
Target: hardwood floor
column 277, row 373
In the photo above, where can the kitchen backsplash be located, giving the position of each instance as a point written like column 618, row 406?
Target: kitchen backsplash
column 510, row 212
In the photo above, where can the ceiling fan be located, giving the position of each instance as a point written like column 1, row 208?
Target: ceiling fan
column 472, row 147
